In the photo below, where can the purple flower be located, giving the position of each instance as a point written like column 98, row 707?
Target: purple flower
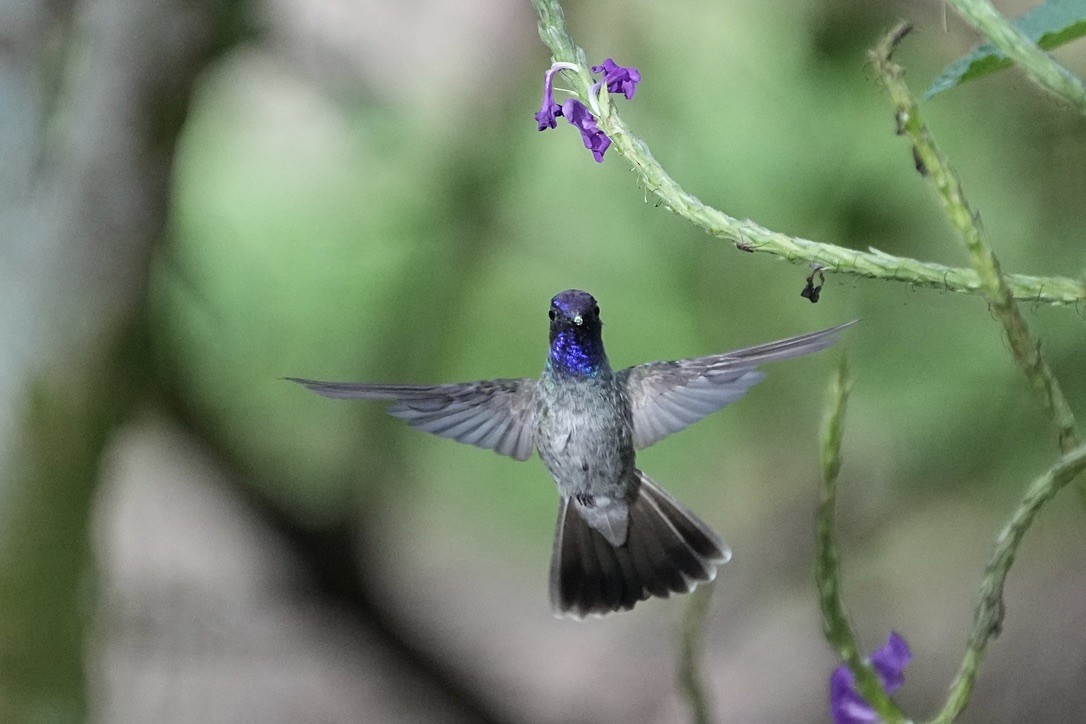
column 546, row 115
column 889, row 662
column 618, row 79
column 547, row 112
column 594, row 139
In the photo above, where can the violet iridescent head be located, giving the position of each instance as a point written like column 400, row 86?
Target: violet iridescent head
column 576, row 341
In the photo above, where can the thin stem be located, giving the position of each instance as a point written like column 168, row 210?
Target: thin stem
column 827, row 563
column 690, row 682
column 935, row 166
column 752, row 237
column 1041, row 67
column 989, row 615
column 995, row 287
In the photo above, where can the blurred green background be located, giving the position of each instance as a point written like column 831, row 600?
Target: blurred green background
column 409, row 223
column 360, row 193
column 338, row 232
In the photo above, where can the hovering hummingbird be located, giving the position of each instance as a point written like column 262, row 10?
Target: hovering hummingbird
column 620, row 537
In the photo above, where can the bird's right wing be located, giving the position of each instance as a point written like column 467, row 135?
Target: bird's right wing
column 498, row 415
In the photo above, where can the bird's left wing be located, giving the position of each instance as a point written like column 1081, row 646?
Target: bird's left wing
column 498, row 415
column 665, row 397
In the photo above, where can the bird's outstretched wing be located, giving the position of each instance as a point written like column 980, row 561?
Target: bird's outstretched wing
column 667, row 396
column 498, row 415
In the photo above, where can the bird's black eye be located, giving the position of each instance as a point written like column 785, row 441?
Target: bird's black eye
column 596, row 310
column 551, row 314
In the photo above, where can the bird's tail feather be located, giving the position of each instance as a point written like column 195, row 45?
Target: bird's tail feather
column 668, row 550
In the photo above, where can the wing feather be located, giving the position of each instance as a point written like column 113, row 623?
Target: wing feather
column 497, row 415
column 666, row 397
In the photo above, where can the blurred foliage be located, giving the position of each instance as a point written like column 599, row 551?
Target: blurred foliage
column 338, row 236
column 1050, row 25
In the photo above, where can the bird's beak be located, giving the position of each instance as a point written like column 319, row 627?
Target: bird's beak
column 578, row 320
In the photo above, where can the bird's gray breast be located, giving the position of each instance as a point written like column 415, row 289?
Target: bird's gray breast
column 585, row 435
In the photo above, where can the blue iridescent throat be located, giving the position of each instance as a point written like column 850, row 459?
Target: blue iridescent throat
column 576, row 354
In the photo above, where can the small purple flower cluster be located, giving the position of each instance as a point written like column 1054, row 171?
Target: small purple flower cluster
column 889, row 662
column 618, row 79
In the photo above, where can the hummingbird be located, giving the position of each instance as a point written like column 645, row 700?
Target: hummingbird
column 620, row 537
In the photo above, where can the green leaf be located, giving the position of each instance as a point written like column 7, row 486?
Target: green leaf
column 1050, row 25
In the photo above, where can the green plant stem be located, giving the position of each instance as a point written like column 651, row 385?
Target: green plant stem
column 752, row 237
column 990, row 609
column 935, row 166
column 690, row 683
column 1039, row 65
column 996, row 289
column 835, row 623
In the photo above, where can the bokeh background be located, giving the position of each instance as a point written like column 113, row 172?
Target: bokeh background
column 200, row 198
